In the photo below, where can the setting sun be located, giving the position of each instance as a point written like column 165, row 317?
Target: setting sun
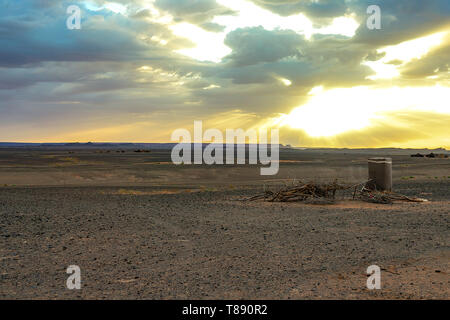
column 359, row 106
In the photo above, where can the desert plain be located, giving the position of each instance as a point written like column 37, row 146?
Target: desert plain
column 140, row 227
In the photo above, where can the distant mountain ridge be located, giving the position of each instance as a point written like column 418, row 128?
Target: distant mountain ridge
column 125, row 145
column 167, row 146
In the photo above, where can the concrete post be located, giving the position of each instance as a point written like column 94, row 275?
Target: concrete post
column 380, row 172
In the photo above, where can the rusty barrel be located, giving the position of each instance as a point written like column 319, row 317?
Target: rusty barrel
column 380, row 173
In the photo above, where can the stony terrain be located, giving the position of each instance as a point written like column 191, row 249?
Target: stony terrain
column 196, row 240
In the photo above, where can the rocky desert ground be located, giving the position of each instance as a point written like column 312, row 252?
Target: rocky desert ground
column 140, row 227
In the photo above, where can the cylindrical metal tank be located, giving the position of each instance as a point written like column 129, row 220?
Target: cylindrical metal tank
column 380, row 173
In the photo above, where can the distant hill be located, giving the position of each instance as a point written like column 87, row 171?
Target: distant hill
column 18, row 144
column 169, row 146
column 80, row 145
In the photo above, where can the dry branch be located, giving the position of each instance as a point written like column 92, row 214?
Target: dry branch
column 326, row 194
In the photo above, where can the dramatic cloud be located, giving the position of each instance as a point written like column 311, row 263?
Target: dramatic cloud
column 312, row 8
column 255, row 45
column 139, row 69
column 193, row 11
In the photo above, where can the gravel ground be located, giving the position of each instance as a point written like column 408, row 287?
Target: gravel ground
column 174, row 243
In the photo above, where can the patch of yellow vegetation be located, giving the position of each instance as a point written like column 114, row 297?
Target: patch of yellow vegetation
column 154, row 192
column 71, row 161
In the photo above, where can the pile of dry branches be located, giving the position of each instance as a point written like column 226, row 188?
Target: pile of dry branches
column 326, row 193
column 302, row 192
column 386, row 197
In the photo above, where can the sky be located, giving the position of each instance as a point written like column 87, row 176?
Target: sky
column 138, row 70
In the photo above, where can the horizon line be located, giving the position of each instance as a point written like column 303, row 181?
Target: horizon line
column 174, row 143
